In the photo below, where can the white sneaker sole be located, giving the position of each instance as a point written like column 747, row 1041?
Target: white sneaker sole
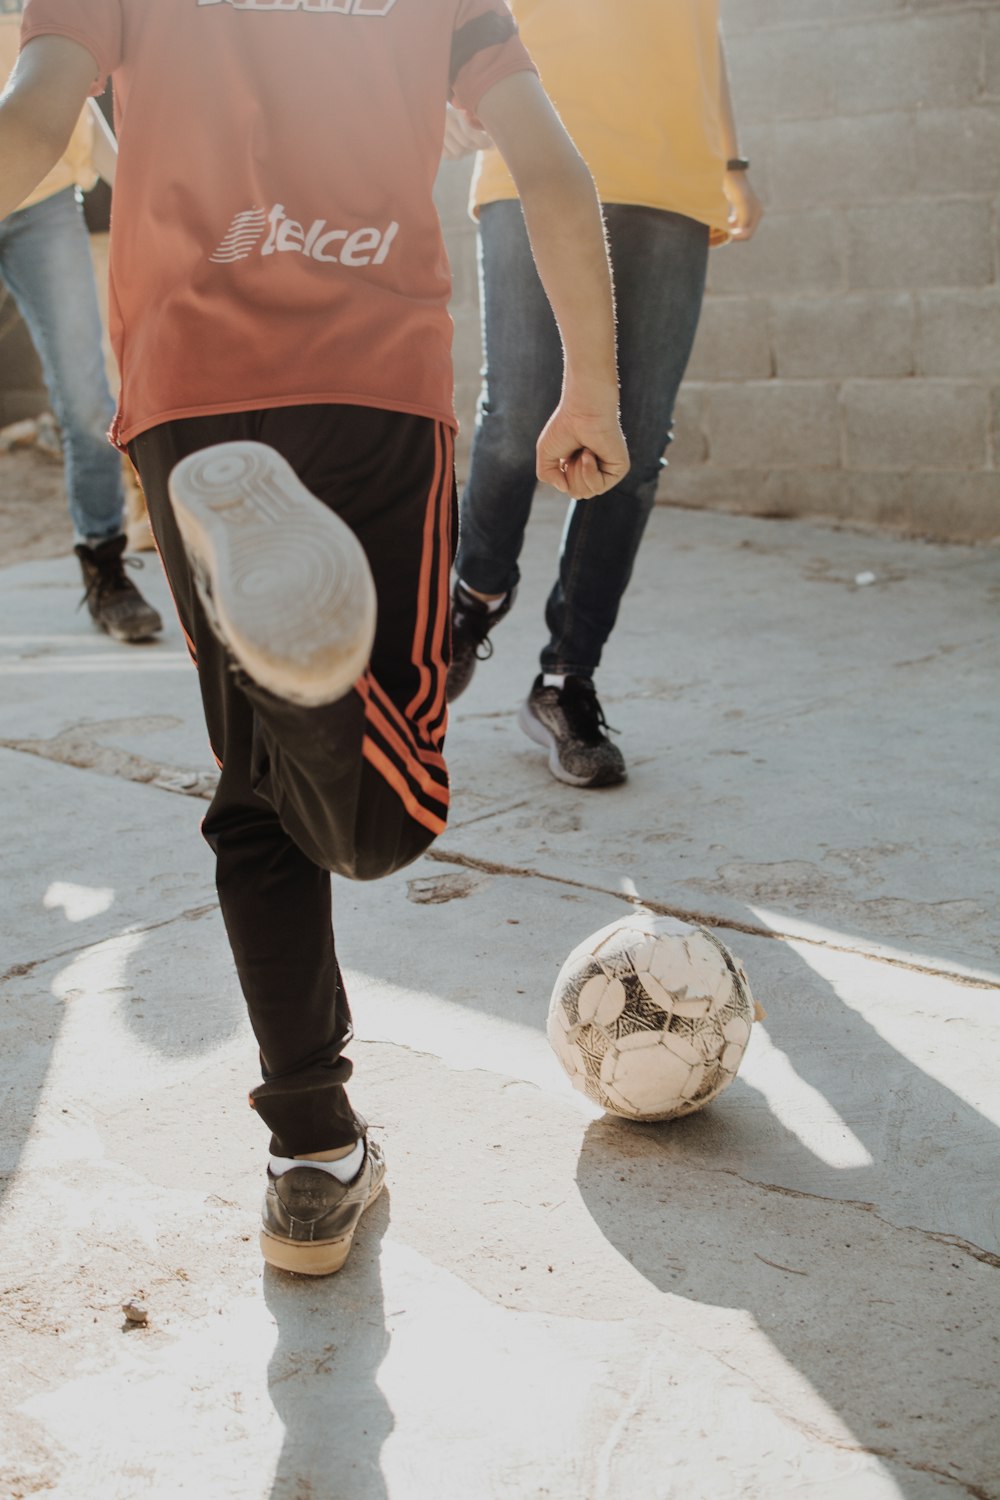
column 536, row 730
column 285, row 582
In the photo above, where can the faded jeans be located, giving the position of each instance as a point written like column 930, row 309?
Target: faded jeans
column 45, row 263
column 659, row 261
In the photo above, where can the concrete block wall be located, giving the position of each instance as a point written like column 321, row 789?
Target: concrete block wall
column 848, row 359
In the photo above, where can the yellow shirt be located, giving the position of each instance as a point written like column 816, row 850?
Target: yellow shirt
column 638, row 86
column 75, row 169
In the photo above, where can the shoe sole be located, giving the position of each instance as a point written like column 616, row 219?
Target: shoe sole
column 312, row 1257
column 285, row 582
column 131, row 637
column 536, row 730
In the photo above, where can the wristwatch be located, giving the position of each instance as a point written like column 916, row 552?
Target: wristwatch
column 738, row 164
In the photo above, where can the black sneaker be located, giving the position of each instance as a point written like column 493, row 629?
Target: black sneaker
column 113, row 600
column 471, row 623
column 309, row 1218
column 569, row 722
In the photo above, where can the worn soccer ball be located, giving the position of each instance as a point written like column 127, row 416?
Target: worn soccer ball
column 650, row 1017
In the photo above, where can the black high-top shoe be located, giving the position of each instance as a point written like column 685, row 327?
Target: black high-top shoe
column 113, row 600
column 471, row 622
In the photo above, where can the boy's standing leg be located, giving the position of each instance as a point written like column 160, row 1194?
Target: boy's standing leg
column 357, row 787
column 45, row 262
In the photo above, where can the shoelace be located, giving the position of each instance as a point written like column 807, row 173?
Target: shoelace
column 109, row 578
column 581, row 705
column 475, row 625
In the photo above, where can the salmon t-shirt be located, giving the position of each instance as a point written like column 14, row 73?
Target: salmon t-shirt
column 274, row 239
column 638, row 84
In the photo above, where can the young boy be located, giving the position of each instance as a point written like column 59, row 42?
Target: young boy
column 280, row 292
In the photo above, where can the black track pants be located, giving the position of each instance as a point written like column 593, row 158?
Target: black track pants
column 358, row 787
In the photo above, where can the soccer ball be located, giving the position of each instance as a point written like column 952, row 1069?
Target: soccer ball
column 650, row 1017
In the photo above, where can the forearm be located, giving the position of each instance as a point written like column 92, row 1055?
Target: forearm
column 581, row 450
column 38, row 111
column 564, row 224
column 563, row 219
column 27, row 154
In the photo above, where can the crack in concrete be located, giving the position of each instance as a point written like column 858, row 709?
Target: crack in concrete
column 78, row 747
column 952, row 1241
column 79, row 750
column 190, row 914
column 496, row 812
column 709, row 919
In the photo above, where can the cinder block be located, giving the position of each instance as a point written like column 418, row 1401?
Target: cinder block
column 960, row 333
column 958, row 150
column 908, row 62
column 732, row 342
column 857, row 159
column 921, row 243
column 778, row 494
column 802, row 252
column 801, row 492
column 781, row 74
column 703, row 488
column 915, row 424
column 689, row 446
column 751, row 15
column 773, row 424
column 822, row 337
column 882, row 501
column 956, row 507
column 991, row 54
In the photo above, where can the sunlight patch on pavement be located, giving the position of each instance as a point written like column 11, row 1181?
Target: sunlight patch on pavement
column 462, row 1038
column 800, row 1108
column 78, row 902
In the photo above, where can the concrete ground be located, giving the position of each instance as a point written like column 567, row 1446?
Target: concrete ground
column 792, row 1294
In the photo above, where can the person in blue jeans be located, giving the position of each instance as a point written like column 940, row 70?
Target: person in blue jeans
column 643, row 90
column 46, row 266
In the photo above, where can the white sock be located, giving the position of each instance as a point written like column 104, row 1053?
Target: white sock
column 344, row 1168
column 491, row 604
column 554, row 679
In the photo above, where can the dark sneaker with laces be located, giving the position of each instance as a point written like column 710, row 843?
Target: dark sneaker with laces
column 309, row 1218
column 113, row 600
column 471, row 623
column 570, row 723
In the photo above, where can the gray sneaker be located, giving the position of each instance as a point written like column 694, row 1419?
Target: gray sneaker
column 570, row 723
column 309, row 1218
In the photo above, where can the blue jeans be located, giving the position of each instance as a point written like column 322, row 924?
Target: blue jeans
column 45, row 263
column 659, row 261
